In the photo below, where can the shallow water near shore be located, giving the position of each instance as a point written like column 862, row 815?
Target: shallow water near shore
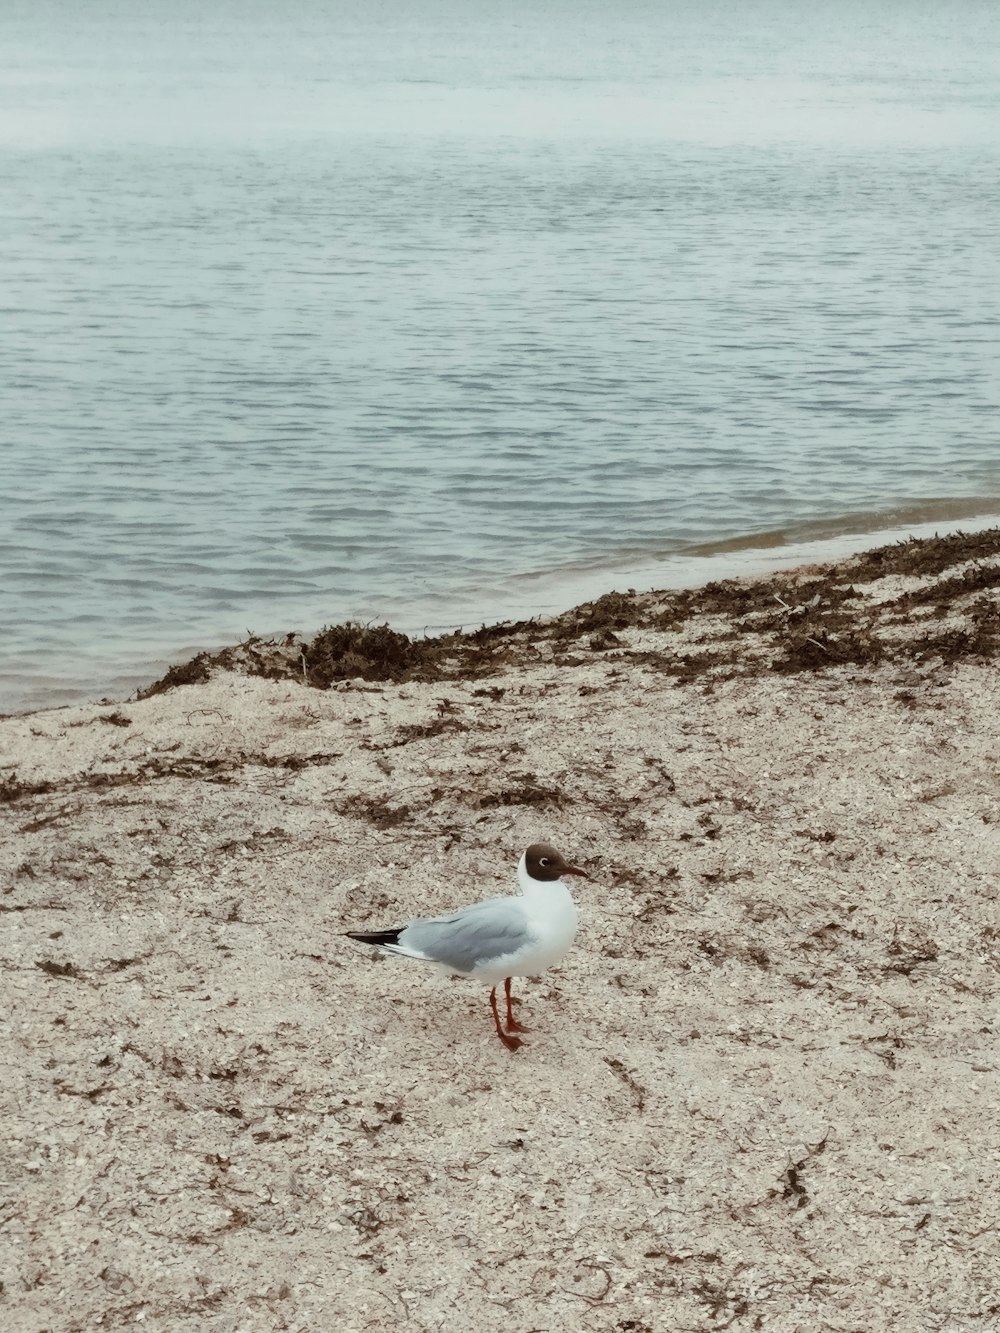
column 449, row 321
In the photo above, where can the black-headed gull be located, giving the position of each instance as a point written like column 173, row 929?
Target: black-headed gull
column 501, row 938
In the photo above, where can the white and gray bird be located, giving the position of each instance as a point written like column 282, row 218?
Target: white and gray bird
column 500, row 938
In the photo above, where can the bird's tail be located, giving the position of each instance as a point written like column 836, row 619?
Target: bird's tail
column 382, row 939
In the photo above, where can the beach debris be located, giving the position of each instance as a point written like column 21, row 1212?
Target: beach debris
column 53, row 969
column 739, row 628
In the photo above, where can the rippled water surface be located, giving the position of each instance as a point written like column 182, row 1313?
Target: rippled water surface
column 377, row 310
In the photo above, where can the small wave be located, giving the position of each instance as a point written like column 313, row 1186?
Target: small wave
column 861, row 522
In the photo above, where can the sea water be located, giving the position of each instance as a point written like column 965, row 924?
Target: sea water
column 440, row 312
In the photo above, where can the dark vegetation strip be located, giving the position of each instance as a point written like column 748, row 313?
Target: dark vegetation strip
column 825, row 627
column 209, row 770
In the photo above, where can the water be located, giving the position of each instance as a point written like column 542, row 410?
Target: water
column 405, row 311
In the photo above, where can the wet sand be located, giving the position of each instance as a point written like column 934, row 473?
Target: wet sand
column 760, row 1092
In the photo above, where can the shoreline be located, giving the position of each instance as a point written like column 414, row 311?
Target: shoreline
column 755, row 1088
column 753, row 558
column 888, row 603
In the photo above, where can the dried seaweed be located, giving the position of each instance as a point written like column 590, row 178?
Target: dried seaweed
column 53, row 969
column 524, row 789
column 343, row 652
column 780, row 623
column 375, row 810
column 925, row 555
column 13, row 789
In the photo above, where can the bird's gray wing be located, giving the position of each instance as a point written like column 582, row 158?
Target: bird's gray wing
column 471, row 938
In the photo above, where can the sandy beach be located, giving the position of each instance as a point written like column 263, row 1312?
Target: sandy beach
column 761, row 1092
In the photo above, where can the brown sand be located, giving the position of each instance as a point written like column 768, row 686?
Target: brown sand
column 762, row 1092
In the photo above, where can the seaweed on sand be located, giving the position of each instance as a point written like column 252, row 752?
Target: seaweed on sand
column 343, row 652
column 810, row 620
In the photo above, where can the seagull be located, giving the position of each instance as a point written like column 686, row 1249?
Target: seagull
column 500, row 938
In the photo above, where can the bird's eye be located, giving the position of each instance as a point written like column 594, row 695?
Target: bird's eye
column 544, row 861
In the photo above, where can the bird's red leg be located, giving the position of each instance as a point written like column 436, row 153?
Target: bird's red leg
column 512, row 1043
column 512, row 1024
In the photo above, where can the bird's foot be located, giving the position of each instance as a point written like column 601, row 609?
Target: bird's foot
column 514, row 1026
column 512, row 1043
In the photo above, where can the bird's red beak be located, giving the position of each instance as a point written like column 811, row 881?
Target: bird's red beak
column 575, row 870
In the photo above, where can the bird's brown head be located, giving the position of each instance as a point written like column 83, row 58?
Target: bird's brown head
column 544, row 863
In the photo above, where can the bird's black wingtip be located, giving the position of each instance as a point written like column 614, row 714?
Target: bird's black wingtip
column 378, row 937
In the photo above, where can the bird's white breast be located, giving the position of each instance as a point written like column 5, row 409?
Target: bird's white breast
column 552, row 916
